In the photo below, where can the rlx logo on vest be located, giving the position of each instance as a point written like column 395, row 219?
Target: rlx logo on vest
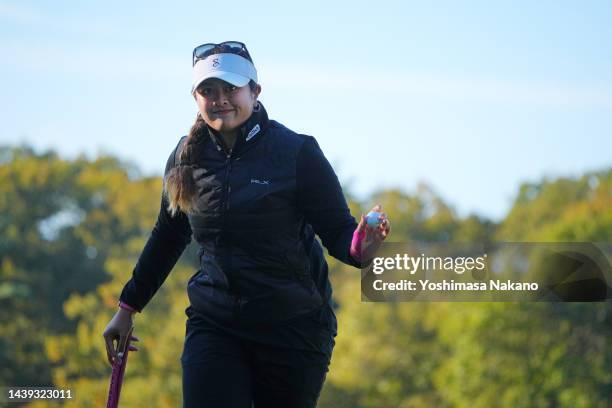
column 255, row 181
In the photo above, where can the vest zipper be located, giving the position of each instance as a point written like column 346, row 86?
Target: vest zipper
column 225, row 215
column 228, row 170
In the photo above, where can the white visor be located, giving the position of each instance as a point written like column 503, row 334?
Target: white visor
column 231, row 68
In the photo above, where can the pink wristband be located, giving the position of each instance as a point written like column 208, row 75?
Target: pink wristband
column 356, row 244
column 127, row 307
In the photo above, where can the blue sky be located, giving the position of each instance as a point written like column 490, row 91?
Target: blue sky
column 472, row 98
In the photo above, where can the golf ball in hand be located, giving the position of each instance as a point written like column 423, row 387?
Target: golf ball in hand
column 372, row 219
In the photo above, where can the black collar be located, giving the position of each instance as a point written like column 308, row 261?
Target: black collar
column 254, row 126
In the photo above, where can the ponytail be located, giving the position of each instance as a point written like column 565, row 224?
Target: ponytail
column 179, row 184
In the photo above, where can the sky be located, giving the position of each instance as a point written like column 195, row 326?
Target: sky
column 472, row 98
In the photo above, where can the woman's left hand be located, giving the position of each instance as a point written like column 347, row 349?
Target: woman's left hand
column 372, row 237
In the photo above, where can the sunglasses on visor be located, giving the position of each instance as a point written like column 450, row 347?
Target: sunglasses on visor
column 227, row 47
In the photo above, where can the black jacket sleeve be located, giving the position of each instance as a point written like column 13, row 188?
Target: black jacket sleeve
column 321, row 200
column 169, row 238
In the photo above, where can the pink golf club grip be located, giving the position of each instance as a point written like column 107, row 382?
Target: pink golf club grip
column 116, row 380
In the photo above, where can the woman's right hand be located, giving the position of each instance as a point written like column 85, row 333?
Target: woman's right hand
column 118, row 329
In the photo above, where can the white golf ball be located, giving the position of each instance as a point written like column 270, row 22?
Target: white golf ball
column 372, row 219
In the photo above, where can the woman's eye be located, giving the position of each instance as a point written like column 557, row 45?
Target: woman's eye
column 230, row 88
column 205, row 91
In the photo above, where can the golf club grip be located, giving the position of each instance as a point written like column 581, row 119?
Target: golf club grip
column 116, row 380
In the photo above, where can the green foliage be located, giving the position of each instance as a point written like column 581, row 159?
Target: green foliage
column 562, row 210
column 479, row 354
column 71, row 232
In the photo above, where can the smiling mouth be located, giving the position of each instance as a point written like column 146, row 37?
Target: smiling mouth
column 223, row 112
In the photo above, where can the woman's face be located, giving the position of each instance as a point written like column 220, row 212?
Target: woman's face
column 223, row 106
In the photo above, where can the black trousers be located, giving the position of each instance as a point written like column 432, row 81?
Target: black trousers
column 224, row 370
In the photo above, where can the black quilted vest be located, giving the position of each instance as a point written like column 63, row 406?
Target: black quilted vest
column 259, row 259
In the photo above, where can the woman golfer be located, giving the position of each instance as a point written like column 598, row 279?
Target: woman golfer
column 253, row 194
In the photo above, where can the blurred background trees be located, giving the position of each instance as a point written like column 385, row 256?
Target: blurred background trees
column 71, row 232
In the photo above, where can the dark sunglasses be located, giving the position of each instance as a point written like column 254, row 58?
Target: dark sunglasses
column 230, row 47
